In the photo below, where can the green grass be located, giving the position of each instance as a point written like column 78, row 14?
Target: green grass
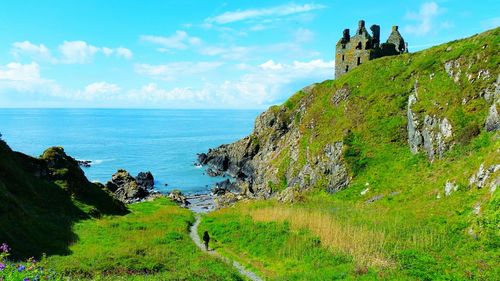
column 409, row 233
column 150, row 243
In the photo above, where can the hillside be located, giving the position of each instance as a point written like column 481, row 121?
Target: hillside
column 42, row 198
column 393, row 169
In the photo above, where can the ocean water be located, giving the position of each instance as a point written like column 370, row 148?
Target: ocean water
column 164, row 142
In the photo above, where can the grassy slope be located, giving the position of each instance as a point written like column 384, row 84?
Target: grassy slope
column 150, row 243
column 87, row 236
column 410, row 233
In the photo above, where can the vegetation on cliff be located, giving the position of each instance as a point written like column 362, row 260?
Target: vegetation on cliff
column 401, row 163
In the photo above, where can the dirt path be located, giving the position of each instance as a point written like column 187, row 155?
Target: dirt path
column 193, row 232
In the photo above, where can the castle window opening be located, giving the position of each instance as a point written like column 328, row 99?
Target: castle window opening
column 359, row 46
column 359, row 60
column 343, row 57
column 346, row 68
column 343, row 46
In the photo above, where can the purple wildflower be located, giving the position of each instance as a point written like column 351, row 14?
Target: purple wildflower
column 21, row 268
column 26, row 279
column 4, row 248
column 2, row 266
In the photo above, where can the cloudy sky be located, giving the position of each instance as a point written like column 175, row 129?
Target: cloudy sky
column 198, row 54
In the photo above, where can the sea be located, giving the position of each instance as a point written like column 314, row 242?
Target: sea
column 164, row 142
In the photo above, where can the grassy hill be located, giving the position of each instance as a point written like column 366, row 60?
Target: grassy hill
column 42, row 198
column 392, row 169
column 48, row 206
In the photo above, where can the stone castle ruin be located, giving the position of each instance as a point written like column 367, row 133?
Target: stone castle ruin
column 353, row 51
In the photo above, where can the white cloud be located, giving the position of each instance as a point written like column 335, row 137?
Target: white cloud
column 38, row 52
column 71, row 52
column 267, row 84
column 123, row 52
column 77, row 52
column 175, row 70
column 101, row 87
column 180, row 40
column 25, row 78
column 107, row 51
column 271, row 65
column 98, row 90
column 250, row 14
column 425, row 19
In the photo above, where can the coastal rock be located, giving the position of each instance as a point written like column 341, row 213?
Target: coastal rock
column 126, row 188
column 277, row 135
column 84, row 163
column 146, row 180
column 225, row 186
column 179, row 198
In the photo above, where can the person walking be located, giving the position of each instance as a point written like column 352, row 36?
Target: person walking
column 206, row 239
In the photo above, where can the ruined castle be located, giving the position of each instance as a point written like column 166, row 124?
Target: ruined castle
column 362, row 47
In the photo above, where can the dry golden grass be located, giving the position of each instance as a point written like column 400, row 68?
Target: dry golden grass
column 364, row 245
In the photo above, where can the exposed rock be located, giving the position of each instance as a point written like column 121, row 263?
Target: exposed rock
column 179, row 198
column 226, row 200
column 225, row 186
column 290, row 195
column 84, row 163
column 277, row 135
column 414, row 135
column 492, row 93
column 126, row 188
column 364, row 191
column 341, row 95
column 481, row 177
column 146, row 180
column 433, row 135
column 493, row 120
column 449, row 187
column 453, row 69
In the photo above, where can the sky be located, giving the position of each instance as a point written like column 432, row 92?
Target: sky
column 207, row 54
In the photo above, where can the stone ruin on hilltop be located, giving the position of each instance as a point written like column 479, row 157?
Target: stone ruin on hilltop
column 353, row 51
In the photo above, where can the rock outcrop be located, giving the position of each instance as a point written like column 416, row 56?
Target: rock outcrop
column 179, row 198
column 146, row 180
column 493, row 120
column 128, row 189
column 276, row 135
column 430, row 134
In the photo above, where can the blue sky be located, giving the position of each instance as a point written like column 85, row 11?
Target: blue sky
column 198, row 54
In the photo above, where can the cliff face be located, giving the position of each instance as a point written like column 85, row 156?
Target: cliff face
column 427, row 103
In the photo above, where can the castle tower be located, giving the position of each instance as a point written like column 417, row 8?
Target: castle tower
column 397, row 40
column 351, row 51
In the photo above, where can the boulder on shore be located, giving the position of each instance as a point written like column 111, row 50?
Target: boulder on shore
column 179, row 198
column 129, row 189
column 145, row 179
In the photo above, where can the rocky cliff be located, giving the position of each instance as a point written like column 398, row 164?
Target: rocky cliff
column 426, row 103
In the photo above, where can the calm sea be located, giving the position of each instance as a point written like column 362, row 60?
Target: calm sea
column 164, row 142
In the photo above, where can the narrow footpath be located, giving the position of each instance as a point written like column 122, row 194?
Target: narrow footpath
column 193, row 232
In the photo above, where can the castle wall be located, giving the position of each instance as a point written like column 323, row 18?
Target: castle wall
column 353, row 51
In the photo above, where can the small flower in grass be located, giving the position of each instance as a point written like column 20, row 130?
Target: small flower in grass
column 26, row 279
column 4, row 248
column 2, row 266
column 21, row 268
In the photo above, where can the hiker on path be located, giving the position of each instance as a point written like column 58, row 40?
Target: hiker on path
column 206, row 239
